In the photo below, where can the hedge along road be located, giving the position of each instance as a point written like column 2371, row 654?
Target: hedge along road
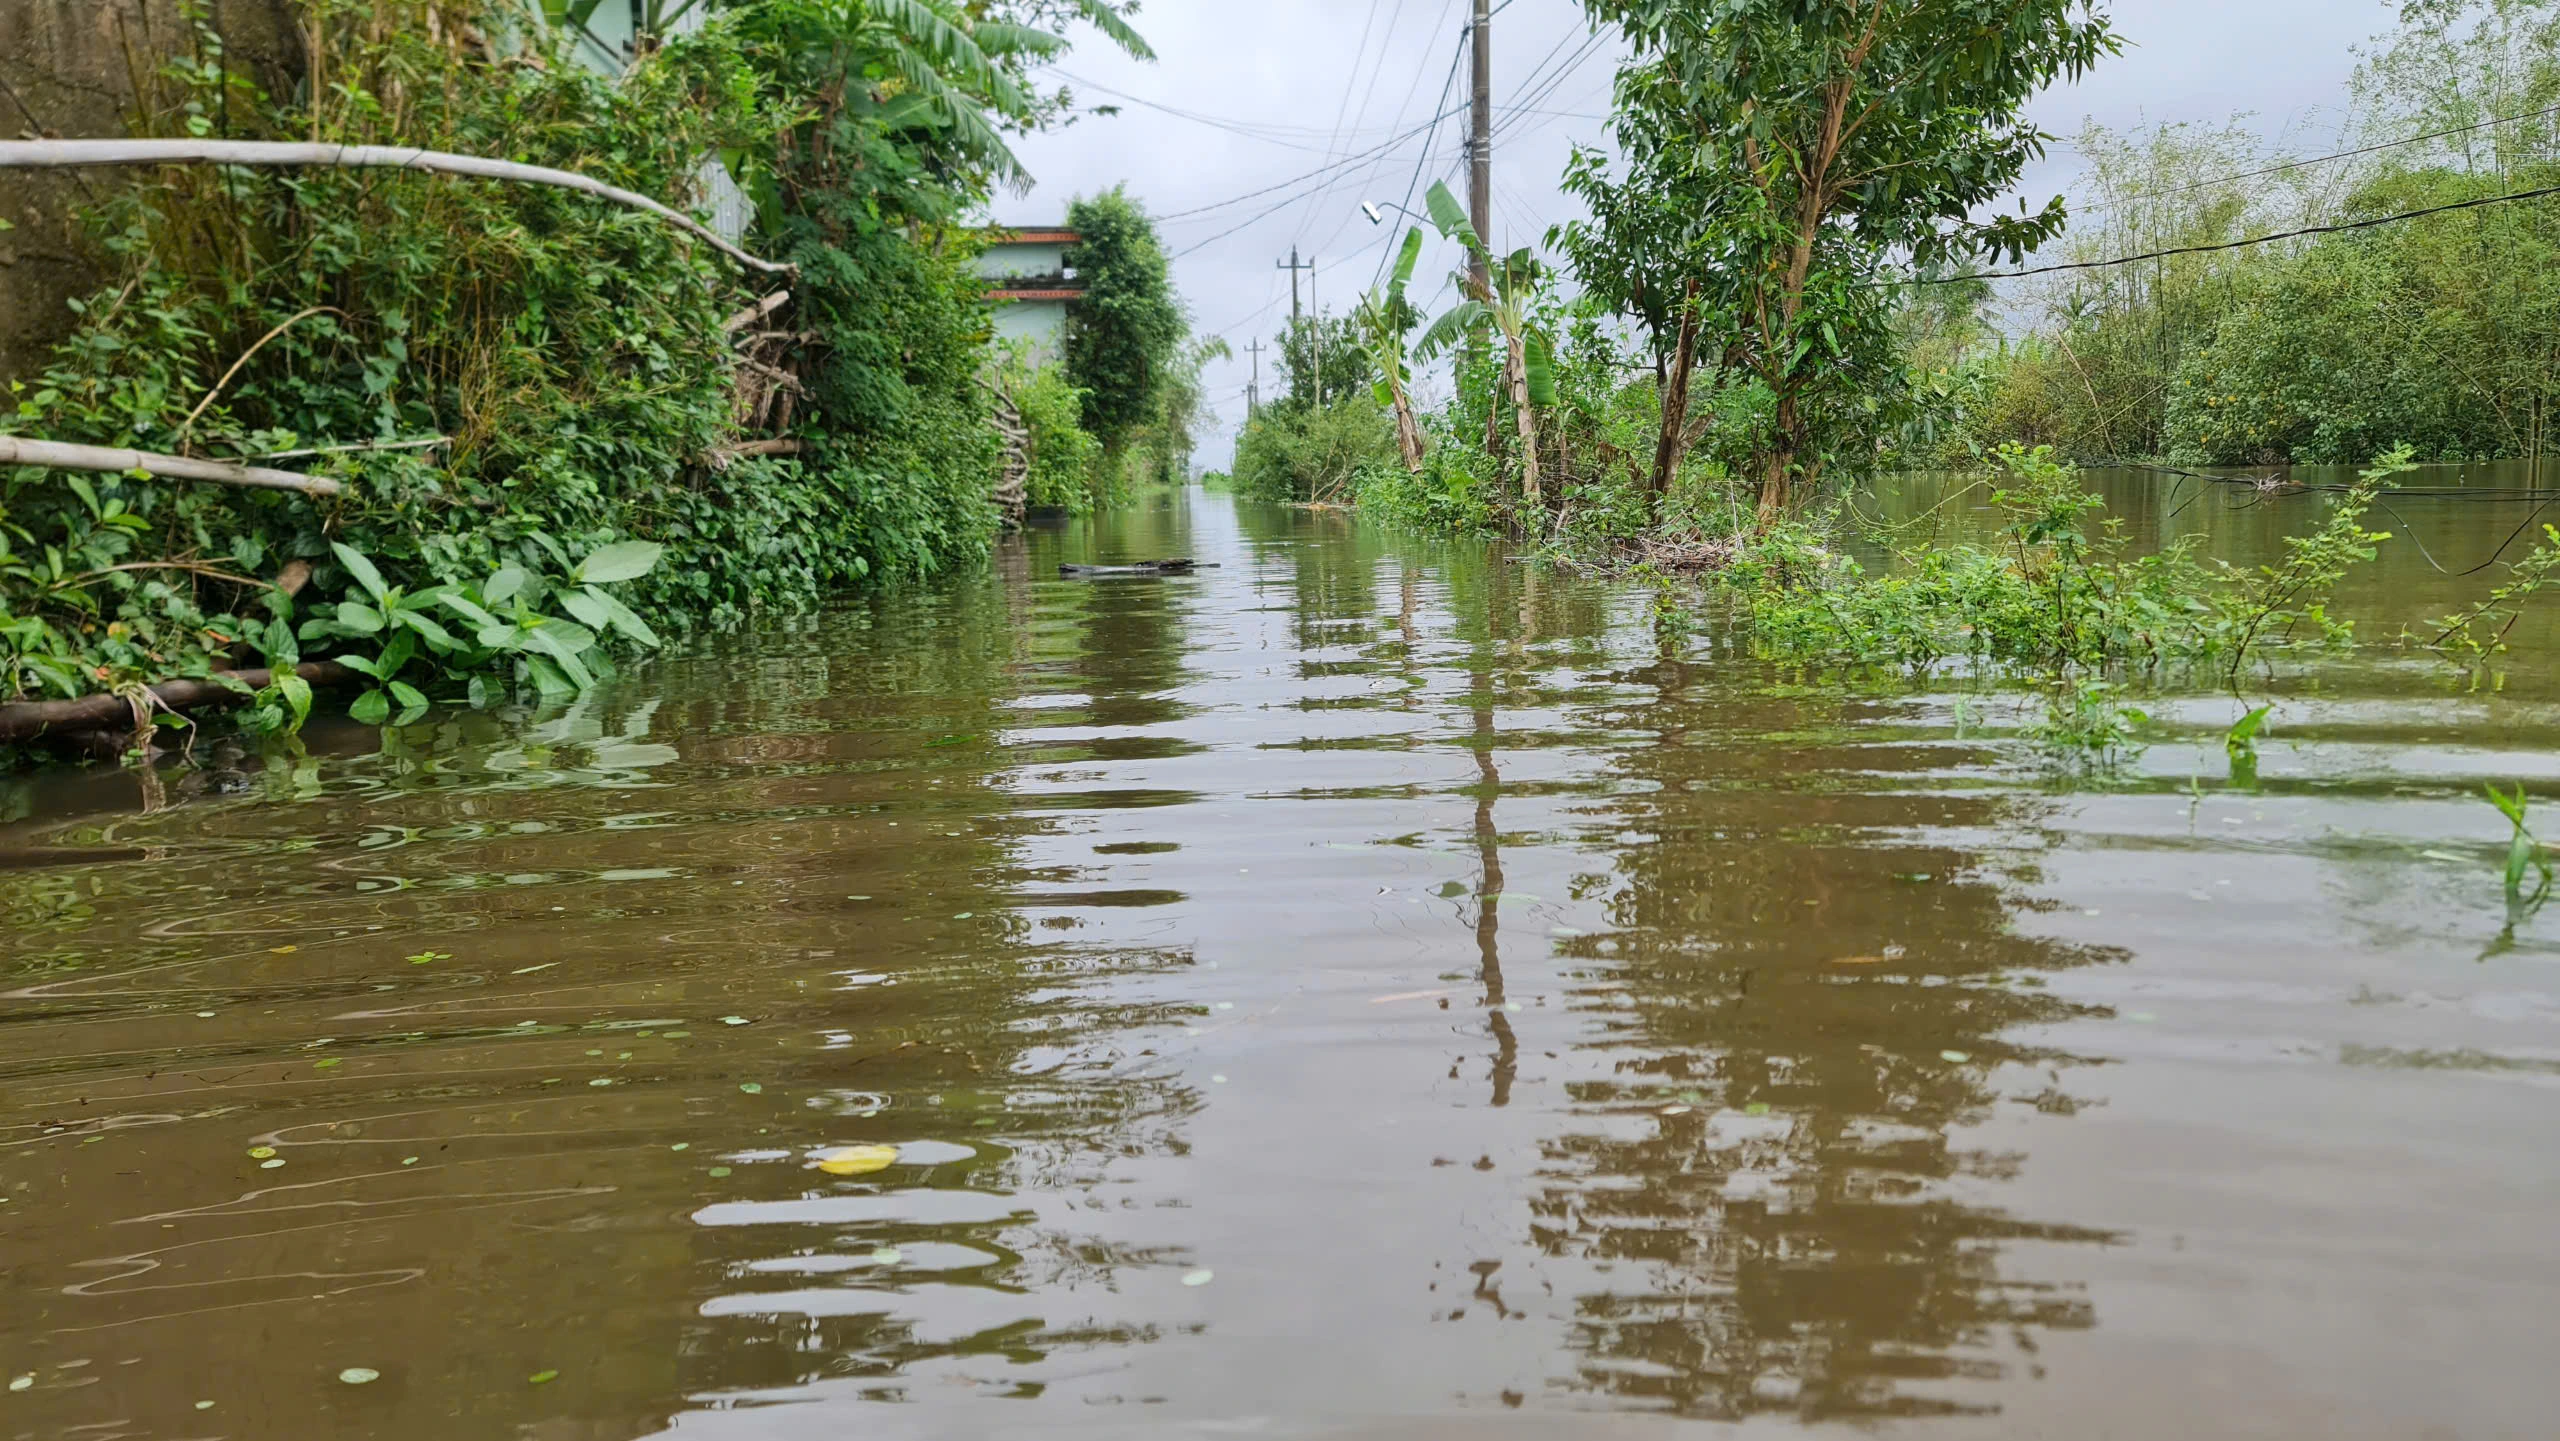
column 1360, row 988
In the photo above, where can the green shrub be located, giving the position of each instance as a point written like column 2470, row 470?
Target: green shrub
column 1294, row 453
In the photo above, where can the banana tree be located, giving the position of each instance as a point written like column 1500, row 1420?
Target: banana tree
column 1383, row 317
column 1501, row 302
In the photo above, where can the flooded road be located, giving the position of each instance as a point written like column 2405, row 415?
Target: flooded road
column 1363, row 989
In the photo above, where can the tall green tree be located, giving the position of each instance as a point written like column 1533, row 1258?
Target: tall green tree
column 1838, row 136
column 1124, row 335
column 1652, row 238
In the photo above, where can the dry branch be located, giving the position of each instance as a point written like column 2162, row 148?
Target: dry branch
column 58, row 455
column 27, row 720
column 64, row 154
column 754, row 313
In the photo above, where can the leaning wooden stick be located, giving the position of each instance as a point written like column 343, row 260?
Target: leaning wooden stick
column 61, row 154
column 58, row 455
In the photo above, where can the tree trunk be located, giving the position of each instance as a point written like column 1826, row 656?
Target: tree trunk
column 1668, row 444
column 1518, row 366
column 1408, row 432
column 1784, row 446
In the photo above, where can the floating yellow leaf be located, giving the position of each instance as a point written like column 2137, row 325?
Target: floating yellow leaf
column 858, row 1160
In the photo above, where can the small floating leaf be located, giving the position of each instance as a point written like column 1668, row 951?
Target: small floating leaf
column 1756, row 1108
column 858, row 1160
column 733, row 1020
column 260, row 1153
column 408, row 1160
column 681, row 1146
column 887, row 1255
column 325, row 1063
column 1201, row 1277
column 751, row 1088
column 204, row 1405
column 540, row 1378
column 22, row 1383
column 359, row 1375
column 270, row 1165
column 1956, row 1056
column 719, row 1171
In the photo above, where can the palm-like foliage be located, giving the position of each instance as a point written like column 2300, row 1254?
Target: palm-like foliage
column 1383, row 318
column 1504, row 302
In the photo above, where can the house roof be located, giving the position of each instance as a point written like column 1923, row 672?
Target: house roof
column 1053, row 235
column 1007, row 292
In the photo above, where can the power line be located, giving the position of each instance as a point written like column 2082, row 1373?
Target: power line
column 1419, row 161
column 1403, row 108
column 2326, row 159
column 1350, row 82
column 1318, row 173
column 2340, row 228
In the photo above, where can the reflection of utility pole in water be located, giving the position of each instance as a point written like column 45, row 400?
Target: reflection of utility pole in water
column 1506, row 1058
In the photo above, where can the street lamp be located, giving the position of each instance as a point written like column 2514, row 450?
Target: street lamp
column 1378, row 213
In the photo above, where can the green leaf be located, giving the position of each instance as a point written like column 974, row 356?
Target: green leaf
column 359, row 567
column 357, row 618
column 1405, row 260
column 372, row 708
column 408, row 695
column 361, row 665
column 1463, row 319
column 1539, row 365
column 503, row 586
column 622, row 560
column 468, row 609
column 429, row 628
column 296, row 692
column 581, row 603
column 1451, row 217
column 622, row 617
column 548, row 679
column 1102, row 16
column 549, row 639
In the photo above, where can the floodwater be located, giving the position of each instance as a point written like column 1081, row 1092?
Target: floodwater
column 1363, row 989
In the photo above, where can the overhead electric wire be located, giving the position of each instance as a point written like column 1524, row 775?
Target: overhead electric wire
column 2374, row 149
column 2339, row 228
column 1316, row 174
column 1442, row 106
column 1403, row 108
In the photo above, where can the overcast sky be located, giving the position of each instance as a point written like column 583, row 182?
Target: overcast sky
column 1270, row 92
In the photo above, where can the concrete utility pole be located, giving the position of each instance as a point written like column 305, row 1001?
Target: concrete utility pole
column 1480, row 142
column 1293, row 267
column 1253, row 388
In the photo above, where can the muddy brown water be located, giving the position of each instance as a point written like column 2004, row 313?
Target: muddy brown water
column 1363, row 989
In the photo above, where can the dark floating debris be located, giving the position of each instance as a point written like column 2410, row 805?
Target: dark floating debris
column 1182, row 566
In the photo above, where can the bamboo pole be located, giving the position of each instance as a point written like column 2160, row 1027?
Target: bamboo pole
column 59, row 455
column 61, row 154
column 28, row 720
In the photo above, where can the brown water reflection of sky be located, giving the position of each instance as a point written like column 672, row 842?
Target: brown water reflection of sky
column 1366, row 988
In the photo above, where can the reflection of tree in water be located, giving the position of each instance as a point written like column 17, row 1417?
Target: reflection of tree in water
column 1806, row 994
column 1015, row 1047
